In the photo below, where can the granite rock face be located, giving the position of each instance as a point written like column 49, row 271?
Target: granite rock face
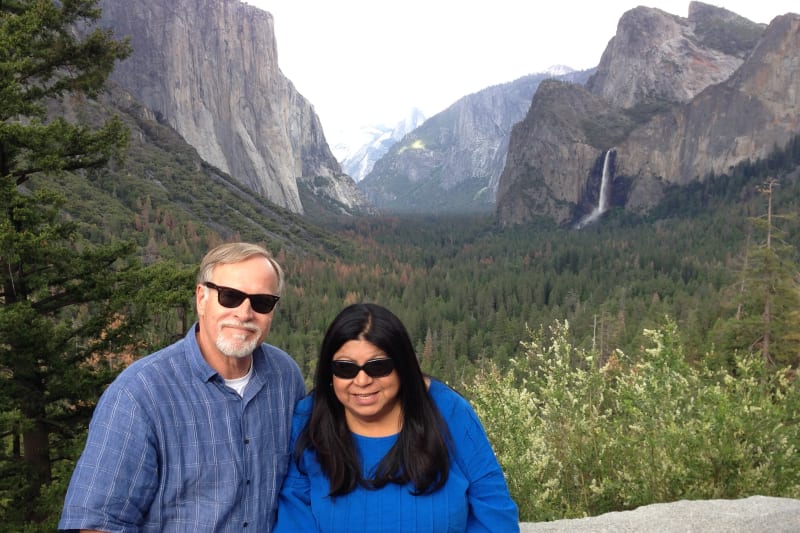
column 656, row 55
column 209, row 69
column 746, row 116
column 550, row 154
column 675, row 98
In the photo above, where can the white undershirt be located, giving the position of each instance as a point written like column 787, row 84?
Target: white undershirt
column 238, row 384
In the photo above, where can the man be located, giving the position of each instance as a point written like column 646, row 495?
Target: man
column 195, row 437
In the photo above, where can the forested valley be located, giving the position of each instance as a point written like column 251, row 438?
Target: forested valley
column 469, row 290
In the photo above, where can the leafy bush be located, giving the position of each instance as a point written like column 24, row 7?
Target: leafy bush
column 578, row 436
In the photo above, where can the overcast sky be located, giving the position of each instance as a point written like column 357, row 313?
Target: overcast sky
column 370, row 61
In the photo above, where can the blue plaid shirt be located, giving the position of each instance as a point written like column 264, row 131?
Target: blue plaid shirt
column 171, row 448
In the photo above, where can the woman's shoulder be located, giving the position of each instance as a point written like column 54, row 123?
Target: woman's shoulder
column 465, row 427
column 447, row 399
column 304, row 406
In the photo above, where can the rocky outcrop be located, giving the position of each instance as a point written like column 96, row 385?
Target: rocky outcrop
column 209, row 69
column 550, row 153
column 744, row 117
column 676, row 98
column 659, row 56
column 323, row 196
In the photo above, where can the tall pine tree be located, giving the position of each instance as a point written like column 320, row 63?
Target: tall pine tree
column 59, row 297
column 767, row 295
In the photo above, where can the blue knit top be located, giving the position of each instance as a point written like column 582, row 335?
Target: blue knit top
column 475, row 497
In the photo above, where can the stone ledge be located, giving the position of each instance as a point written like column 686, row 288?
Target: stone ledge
column 760, row 514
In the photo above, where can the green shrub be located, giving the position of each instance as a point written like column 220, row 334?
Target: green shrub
column 578, row 436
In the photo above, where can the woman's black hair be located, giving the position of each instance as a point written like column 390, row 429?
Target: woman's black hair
column 420, row 455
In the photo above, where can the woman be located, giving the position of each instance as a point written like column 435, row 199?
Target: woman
column 378, row 446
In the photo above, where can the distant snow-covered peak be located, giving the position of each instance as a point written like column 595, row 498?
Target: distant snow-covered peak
column 349, row 141
column 559, row 70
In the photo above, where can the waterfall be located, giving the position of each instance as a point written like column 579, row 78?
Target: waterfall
column 602, row 205
column 605, row 185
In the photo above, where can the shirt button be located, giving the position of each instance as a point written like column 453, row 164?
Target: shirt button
column 247, row 482
column 244, row 525
column 247, row 441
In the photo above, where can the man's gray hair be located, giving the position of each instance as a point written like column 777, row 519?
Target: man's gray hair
column 236, row 252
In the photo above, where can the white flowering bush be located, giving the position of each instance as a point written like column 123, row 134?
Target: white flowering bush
column 580, row 437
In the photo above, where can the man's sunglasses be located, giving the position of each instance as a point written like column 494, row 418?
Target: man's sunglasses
column 232, row 298
column 377, row 368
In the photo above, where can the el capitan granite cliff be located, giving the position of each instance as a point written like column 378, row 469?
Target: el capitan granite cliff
column 209, row 69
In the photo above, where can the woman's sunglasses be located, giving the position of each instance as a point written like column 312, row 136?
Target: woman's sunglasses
column 232, row 298
column 377, row 368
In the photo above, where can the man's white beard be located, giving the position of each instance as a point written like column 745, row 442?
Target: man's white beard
column 236, row 346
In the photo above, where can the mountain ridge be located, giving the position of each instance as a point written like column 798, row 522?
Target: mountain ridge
column 453, row 161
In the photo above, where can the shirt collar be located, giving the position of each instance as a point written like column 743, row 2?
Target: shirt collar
column 204, row 371
column 198, row 364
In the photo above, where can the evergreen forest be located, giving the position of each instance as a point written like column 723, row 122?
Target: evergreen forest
column 675, row 332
